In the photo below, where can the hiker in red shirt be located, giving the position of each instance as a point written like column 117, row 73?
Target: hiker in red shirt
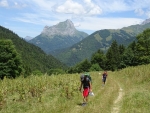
column 87, row 87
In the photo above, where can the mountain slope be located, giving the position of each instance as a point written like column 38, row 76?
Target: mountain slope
column 101, row 39
column 59, row 36
column 33, row 57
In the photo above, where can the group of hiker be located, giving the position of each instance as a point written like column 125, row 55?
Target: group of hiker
column 86, row 85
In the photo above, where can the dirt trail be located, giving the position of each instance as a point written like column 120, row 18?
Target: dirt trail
column 98, row 101
column 116, row 106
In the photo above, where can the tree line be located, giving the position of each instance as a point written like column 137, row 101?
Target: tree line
column 15, row 61
column 118, row 56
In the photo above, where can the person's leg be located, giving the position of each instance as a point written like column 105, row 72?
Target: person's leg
column 86, row 99
column 104, row 80
column 85, row 95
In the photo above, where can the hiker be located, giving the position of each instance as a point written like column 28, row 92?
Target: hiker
column 87, row 87
column 104, row 76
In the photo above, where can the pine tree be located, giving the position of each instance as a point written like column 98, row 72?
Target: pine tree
column 10, row 62
column 99, row 58
column 113, row 56
column 143, row 47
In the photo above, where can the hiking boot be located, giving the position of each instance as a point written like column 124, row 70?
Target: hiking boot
column 83, row 104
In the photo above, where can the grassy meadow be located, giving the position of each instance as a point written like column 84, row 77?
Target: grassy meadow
column 60, row 93
column 136, row 84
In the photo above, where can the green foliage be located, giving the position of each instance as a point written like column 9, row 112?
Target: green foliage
column 95, row 67
column 33, row 58
column 99, row 58
column 37, row 72
column 128, row 57
column 113, row 57
column 56, row 71
column 10, row 61
column 83, row 66
column 143, row 47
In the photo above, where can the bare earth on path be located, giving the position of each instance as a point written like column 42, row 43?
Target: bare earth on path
column 116, row 106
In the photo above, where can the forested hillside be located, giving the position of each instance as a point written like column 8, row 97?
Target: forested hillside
column 33, row 57
column 118, row 56
column 102, row 40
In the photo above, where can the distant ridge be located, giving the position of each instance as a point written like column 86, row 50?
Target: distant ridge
column 100, row 39
column 59, row 36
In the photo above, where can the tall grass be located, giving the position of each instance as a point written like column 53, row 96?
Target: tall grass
column 54, row 94
column 60, row 93
column 136, row 84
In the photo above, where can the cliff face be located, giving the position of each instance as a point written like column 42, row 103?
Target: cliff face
column 59, row 36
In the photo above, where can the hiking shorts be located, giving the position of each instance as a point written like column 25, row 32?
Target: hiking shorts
column 86, row 92
column 104, row 79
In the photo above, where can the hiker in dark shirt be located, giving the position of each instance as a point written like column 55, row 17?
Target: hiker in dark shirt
column 87, row 87
column 104, row 76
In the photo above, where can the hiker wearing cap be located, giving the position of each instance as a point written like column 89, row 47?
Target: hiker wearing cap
column 104, row 76
column 87, row 87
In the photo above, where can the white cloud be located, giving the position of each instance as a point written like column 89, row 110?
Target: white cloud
column 85, row 14
column 91, row 8
column 4, row 3
column 95, row 11
column 107, row 23
column 87, row 8
column 71, row 7
column 114, row 6
column 139, row 11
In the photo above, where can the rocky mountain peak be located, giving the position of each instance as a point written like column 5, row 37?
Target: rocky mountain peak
column 146, row 21
column 62, row 28
column 27, row 38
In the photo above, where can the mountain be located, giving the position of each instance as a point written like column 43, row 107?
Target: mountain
column 33, row 57
column 101, row 39
column 27, row 38
column 146, row 21
column 59, row 36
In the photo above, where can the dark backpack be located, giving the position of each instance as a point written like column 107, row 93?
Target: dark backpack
column 86, row 81
column 82, row 77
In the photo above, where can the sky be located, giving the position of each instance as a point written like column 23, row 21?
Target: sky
column 29, row 17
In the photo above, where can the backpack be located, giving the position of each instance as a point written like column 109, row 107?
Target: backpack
column 85, row 79
column 82, row 77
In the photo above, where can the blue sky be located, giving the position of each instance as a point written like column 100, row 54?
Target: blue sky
column 29, row 17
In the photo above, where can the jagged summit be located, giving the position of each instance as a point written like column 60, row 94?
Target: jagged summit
column 58, row 36
column 146, row 21
column 62, row 28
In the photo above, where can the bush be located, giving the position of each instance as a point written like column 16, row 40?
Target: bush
column 95, row 67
